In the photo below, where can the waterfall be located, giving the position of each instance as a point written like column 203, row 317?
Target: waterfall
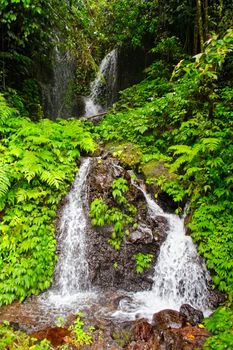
column 180, row 276
column 71, row 272
column 103, row 88
column 57, row 83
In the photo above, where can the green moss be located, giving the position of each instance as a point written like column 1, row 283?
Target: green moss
column 154, row 169
column 128, row 153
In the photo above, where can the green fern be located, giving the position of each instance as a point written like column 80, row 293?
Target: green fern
column 4, row 182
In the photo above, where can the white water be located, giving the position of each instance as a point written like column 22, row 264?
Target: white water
column 105, row 79
column 180, row 277
column 72, row 276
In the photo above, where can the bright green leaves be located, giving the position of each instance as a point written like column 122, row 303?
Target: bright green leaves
column 220, row 324
column 11, row 339
column 143, row 261
column 212, row 227
column 82, row 337
column 37, row 165
column 4, row 182
column 99, row 212
column 119, row 188
column 119, row 216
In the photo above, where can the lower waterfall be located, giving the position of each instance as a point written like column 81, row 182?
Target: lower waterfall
column 71, row 272
column 180, row 276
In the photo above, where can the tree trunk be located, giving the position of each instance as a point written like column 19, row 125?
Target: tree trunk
column 206, row 26
column 200, row 24
column 195, row 37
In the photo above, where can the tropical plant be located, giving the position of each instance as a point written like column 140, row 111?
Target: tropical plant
column 120, row 215
column 38, row 163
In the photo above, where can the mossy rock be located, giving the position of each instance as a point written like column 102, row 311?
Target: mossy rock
column 128, row 153
column 154, row 169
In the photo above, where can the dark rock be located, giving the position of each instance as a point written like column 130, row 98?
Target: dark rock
column 187, row 338
column 191, row 315
column 152, row 344
column 55, row 335
column 142, row 330
column 143, row 234
column 111, row 269
column 166, row 319
column 216, row 298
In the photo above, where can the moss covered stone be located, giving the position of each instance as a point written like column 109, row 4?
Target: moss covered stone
column 128, row 153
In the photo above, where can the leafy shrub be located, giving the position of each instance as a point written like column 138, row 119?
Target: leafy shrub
column 81, row 336
column 220, row 324
column 38, row 163
column 143, row 261
column 9, row 339
column 119, row 216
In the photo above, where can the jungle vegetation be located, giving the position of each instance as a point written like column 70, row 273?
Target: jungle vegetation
column 179, row 118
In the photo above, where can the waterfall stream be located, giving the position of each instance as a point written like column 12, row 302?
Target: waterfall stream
column 180, row 276
column 71, row 273
column 103, row 87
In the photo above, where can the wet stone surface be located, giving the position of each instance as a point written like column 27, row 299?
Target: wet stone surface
column 146, row 238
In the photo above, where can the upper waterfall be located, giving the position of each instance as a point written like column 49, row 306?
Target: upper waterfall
column 103, row 88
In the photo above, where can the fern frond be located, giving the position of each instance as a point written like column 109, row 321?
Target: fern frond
column 210, row 143
column 5, row 111
column 4, row 182
column 181, row 149
column 52, row 178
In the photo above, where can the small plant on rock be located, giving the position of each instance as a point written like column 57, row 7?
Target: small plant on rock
column 143, row 261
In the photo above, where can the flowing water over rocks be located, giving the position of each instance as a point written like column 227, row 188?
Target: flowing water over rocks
column 180, row 275
column 103, row 88
column 86, row 278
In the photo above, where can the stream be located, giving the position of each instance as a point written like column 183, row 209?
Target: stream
column 179, row 275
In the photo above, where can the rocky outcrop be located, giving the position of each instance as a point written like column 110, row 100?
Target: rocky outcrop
column 191, row 315
column 116, row 269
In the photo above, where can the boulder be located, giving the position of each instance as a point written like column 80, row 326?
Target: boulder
column 142, row 330
column 191, row 315
column 167, row 319
column 108, row 268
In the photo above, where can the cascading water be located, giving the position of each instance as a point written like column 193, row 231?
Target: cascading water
column 180, row 277
column 71, row 273
column 103, row 87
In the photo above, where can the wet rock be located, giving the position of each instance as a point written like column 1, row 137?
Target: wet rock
column 191, row 315
column 57, row 335
column 143, row 234
column 108, row 268
column 152, row 344
column 142, row 330
column 188, row 338
column 166, row 319
column 122, row 334
column 216, row 298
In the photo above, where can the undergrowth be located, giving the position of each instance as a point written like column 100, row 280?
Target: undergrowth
column 185, row 133
column 189, row 130
column 37, row 165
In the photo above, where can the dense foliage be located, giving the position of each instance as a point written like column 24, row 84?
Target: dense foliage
column 221, row 326
column 175, row 127
column 188, row 128
column 37, row 164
